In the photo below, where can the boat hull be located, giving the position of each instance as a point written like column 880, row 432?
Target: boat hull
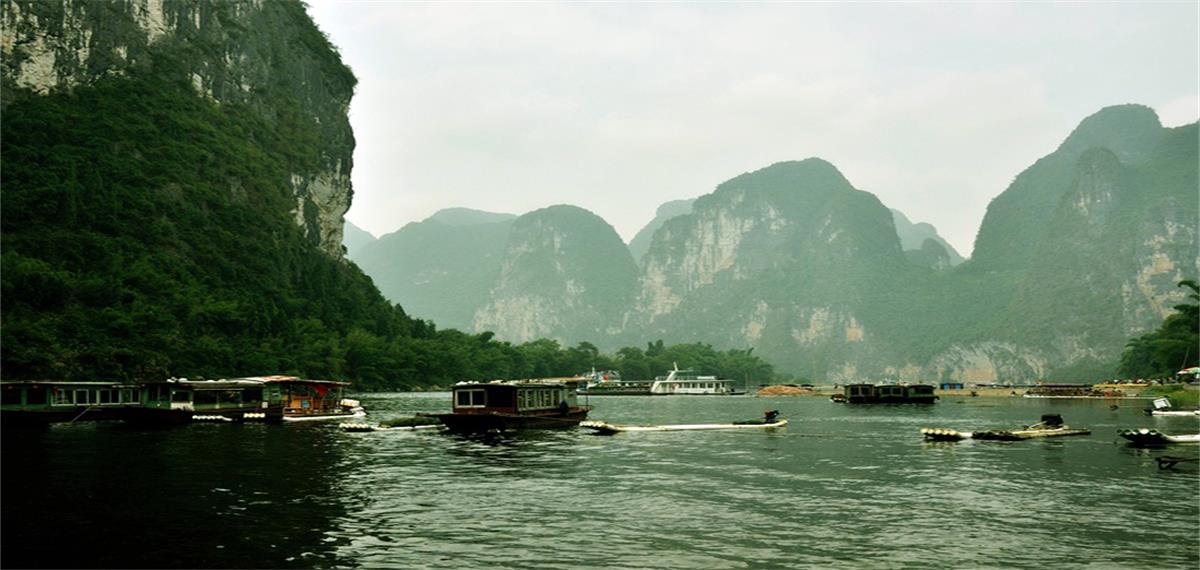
column 167, row 416
column 320, row 417
column 496, row 421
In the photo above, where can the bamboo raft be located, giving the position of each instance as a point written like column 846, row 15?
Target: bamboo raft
column 605, row 428
column 1050, row 426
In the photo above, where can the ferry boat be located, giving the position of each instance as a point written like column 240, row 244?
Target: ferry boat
column 502, row 405
column 888, row 394
column 42, row 402
column 687, row 383
column 609, row 383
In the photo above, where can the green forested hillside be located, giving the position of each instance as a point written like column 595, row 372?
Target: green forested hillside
column 146, row 233
column 441, row 268
column 1174, row 346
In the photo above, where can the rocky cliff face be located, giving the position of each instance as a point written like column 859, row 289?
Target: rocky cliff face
column 641, row 242
column 1086, row 246
column 565, row 273
column 778, row 259
column 266, row 54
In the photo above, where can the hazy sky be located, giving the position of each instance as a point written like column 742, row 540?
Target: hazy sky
column 618, row 107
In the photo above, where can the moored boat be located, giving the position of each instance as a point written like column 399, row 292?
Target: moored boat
column 43, row 402
column 179, row 400
column 1162, row 407
column 887, row 394
column 1152, row 438
column 502, row 405
column 312, row 400
column 609, row 383
column 687, row 383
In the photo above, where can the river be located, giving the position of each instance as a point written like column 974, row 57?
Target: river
column 840, row 487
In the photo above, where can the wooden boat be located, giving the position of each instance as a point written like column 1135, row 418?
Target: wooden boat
column 1050, row 426
column 502, row 405
column 311, row 400
column 179, row 400
column 1151, row 437
column 605, row 428
column 888, row 394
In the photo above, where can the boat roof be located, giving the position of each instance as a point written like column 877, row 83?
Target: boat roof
column 66, row 383
column 532, row 383
column 292, row 380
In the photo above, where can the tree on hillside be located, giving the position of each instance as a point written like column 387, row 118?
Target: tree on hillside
column 1174, row 346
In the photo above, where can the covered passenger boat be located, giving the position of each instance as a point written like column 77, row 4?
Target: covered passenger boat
column 311, row 400
column 43, row 402
column 888, row 394
column 502, row 405
column 179, row 400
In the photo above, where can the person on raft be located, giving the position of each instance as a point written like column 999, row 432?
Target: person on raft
column 769, row 416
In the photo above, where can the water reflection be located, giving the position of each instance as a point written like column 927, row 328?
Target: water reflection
column 106, row 495
column 839, row 487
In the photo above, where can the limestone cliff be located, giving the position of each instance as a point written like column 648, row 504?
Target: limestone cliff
column 266, row 54
column 641, row 242
column 779, row 259
column 565, row 274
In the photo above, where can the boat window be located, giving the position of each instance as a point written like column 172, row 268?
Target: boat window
column 501, row 398
column 181, row 396
column 205, row 397
column 252, row 395
column 107, row 396
column 82, row 396
column 231, row 396
column 62, row 397
column 35, row 395
column 11, row 395
column 470, row 399
column 129, row 396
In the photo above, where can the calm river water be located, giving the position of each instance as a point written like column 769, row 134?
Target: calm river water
column 841, row 486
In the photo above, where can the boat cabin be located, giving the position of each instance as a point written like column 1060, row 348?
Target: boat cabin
column 513, row 397
column 889, row 394
column 308, row 399
column 180, row 399
column 521, row 404
column 38, row 401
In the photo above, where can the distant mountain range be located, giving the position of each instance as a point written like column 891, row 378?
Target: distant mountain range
column 1081, row 252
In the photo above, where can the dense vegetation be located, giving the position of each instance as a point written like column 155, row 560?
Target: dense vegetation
column 1174, row 346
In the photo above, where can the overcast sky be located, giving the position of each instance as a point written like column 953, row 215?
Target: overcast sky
column 618, row 107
